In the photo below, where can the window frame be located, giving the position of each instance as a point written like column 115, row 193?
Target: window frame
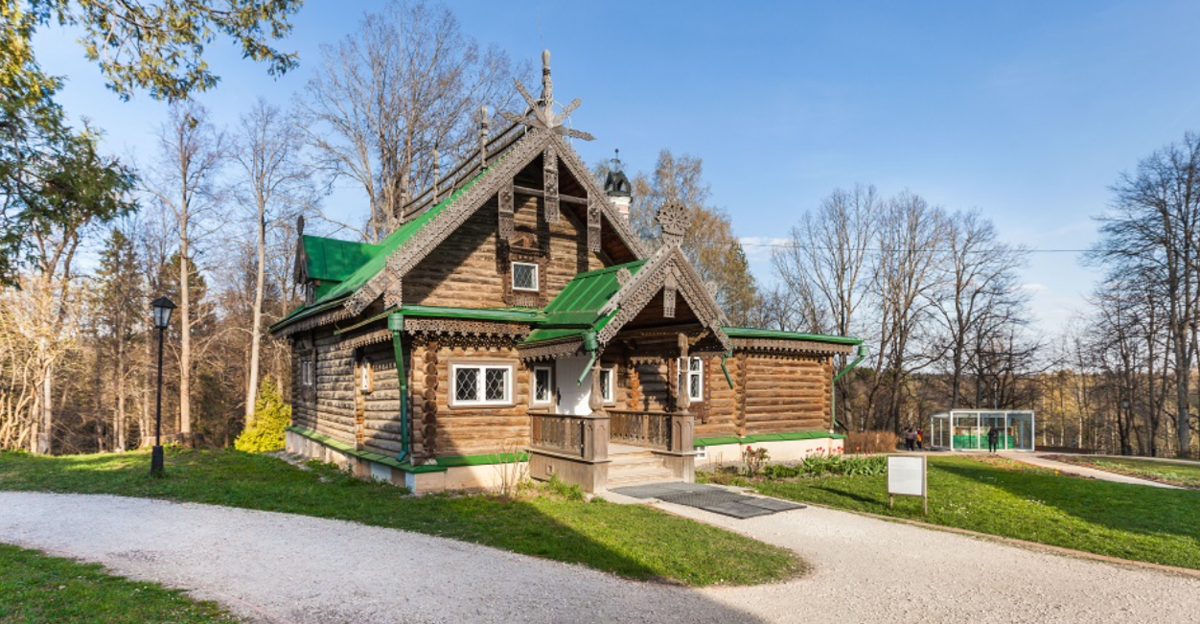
column 481, row 384
column 307, row 372
column 684, row 378
column 366, row 376
column 533, row 397
column 537, row 279
column 611, row 397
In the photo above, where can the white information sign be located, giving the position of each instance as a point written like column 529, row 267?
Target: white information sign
column 906, row 477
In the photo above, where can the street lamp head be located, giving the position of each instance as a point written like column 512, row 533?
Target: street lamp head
column 162, row 312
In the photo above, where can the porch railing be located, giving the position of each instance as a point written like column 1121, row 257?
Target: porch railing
column 560, row 432
column 641, row 428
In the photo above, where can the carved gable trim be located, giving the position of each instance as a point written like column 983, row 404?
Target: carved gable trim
column 507, row 166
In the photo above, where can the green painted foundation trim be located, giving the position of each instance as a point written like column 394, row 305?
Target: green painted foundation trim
column 482, row 460
column 443, row 463
column 766, row 437
column 371, row 456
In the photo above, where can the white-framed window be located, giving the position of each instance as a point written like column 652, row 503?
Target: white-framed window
column 481, row 384
column 543, row 385
column 608, row 383
column 691, row 378
column 525, row 276
column 364, row 375
column 306, row 373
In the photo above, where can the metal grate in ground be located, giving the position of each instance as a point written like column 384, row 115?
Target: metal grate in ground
column 709, row 498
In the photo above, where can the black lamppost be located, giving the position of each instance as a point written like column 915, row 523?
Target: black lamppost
column 162, row 317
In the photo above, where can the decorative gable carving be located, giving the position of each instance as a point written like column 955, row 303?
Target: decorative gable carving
column 505, row 198
column 550, row 183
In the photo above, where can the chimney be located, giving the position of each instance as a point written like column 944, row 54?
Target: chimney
column 617, row 186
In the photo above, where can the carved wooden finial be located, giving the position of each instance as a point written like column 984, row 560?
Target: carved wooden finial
column 547, row 83
column 300, row 226
column 437, row 171
column 673, row 218
column 540, row 115
column 484, row 121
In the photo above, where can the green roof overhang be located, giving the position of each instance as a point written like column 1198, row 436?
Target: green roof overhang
column 751, row 332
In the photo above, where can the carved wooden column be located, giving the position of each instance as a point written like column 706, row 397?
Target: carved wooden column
column 595, row 432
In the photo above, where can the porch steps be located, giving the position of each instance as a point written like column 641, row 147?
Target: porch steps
column 631, row 468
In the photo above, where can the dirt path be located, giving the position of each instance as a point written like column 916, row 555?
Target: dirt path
column 277, row 567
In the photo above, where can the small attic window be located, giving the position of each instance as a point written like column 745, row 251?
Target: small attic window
column 525, row 276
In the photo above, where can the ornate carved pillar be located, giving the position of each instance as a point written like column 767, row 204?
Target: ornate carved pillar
column 684, row 400
column 505, row 198
column 593, row 226
column 550, row 183
column 595, row 431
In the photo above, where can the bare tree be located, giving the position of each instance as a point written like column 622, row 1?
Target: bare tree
column 906, row 271
column 1153, row 228
column 274, row 185
column 184, row 183
column 980, row 297
column 386, row 97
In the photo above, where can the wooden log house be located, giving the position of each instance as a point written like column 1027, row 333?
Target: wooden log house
column 513, row 315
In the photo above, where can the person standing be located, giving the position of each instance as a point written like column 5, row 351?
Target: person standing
column 993, row 436
column 921, row 439
column 910, row 439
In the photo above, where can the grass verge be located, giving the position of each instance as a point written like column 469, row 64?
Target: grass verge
column 37, row 588
column 633, row 541
column 1009, row 499
column 1173, row 473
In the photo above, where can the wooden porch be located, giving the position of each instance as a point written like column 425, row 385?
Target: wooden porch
column 611, row 447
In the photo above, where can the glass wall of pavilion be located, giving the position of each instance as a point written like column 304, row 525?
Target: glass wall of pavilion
column 966, row 430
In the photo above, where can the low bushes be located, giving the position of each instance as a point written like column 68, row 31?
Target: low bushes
column 829, row 465
column 872, row 442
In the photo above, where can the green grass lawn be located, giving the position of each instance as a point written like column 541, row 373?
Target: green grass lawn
column 1174, row 473
column 1005, row 498
column 633, row 541
column 36, row 588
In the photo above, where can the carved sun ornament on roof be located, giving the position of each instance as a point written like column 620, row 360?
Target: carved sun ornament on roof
column 541, row 115
column 673, row 218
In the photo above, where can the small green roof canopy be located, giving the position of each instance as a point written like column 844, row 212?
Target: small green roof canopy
column 576, row 308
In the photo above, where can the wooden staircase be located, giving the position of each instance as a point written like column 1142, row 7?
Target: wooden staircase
column 631, row 465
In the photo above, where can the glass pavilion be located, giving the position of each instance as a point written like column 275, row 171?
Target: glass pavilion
column 966, row 430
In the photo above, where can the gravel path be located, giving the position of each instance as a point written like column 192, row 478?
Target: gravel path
column 277, row 567
column 1084, row 471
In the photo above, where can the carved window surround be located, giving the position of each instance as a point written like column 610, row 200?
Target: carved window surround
column 523, row 248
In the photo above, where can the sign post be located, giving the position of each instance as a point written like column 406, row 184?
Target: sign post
column 906, row 477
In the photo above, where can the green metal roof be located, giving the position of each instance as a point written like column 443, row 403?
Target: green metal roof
column 330, row 259
column 376, row 259
column 576, row 308
column 752, row 332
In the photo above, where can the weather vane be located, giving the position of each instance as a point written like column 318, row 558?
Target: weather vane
column 543, row 117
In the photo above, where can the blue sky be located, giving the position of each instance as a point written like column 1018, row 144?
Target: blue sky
column 1027, row 111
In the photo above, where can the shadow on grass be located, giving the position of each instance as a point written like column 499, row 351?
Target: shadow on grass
column 634, row 542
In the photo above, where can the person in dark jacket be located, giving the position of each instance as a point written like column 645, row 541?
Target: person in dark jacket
column 993, row 440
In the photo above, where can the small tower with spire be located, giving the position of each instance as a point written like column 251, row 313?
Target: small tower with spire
column 617, row 186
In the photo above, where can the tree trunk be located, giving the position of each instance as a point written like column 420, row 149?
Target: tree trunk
column 256, row 328
column 185, row 342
